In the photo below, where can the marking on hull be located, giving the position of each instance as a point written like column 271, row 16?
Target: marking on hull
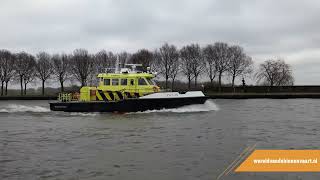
column 102, row 95
column 128, row 94
column 111, row 95
column 119, row 94
column 108, row 96
column 98, row 96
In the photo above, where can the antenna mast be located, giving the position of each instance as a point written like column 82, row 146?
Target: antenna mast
column 117, row 65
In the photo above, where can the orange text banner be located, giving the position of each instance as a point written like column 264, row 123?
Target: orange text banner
column 281, row 161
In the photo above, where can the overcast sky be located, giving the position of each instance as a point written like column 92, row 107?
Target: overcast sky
column 285, row 29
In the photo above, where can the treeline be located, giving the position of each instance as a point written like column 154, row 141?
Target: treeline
column 191, row 62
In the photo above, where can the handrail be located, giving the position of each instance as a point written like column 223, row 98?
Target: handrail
column 65, row 97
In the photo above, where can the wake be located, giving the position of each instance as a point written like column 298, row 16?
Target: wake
column 209, row 105
column 12, row 108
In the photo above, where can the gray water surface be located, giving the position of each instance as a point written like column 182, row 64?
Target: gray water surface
column 196, row 142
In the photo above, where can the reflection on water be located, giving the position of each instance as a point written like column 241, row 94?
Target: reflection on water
column 194, row 142
column 14, row 108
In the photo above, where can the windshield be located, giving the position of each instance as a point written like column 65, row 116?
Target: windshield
column 151, row 82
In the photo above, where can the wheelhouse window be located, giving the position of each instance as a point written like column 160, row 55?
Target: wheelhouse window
column 151, row 82
column 142, row 82
column 115, row 82
column 106, row 82
column 131, row 82
column 124, row 82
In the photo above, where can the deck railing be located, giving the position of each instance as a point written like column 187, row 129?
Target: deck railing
column 65, row 97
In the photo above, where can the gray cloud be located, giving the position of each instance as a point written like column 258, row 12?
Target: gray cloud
column 266, row 28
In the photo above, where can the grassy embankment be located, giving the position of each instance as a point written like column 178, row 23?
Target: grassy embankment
column 285, row 95
column 210, row 94
column 250, row 92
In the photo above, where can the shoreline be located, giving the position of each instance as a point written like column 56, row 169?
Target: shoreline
column 211, row 95
column 263, row 95
column 5, row 98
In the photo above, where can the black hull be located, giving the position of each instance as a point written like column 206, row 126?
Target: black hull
column 128, row 105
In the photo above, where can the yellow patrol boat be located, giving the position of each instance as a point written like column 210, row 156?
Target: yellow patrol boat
column 127, row 90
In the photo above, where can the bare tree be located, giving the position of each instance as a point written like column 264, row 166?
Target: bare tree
column 81, row 65
column 175, row 70
column 186, row 61
column 43, row 68
column 166, row 57
column 29, row 75
column 24, row 62
column 198, row 63
column 143, row 57
column 105, row 61
column 208, row 55
column 275, row 73
column 6, row 69
column 239, row 64
column 60, row 66
column 11, row 72
column 193, row 62
column 221, row 57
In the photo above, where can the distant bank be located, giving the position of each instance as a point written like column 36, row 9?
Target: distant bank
column 211, row 95
column 262, row 95
column 255, row 92
column 28, row 97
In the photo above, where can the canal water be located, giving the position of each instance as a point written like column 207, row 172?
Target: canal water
column 193, row 142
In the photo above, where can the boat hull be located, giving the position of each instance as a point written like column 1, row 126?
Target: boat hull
column 128, row 105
